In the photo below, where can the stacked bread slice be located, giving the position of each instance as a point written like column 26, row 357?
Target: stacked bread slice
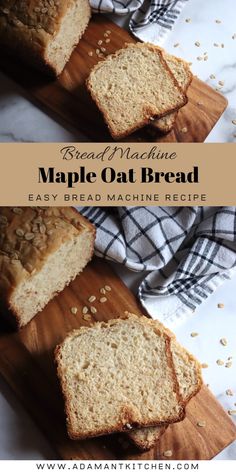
column 126, row 375
column 138, row 85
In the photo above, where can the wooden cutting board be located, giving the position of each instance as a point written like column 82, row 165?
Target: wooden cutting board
column 26, row 362
column 68, row 99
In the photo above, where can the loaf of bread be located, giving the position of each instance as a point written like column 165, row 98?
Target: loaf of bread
column 133, row 86
column 43, row 32
column 117, row 375
column 41, row 251
column 188, row 372
column 182, row 73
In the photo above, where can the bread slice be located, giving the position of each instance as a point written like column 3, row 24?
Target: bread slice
column 116, row 375
column 133, row 86
column 182, row 73
column 43, row 33
column 41, row 251
column 188, row 372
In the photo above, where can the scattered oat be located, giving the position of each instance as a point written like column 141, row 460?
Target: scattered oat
column 188, row 20
column 221, row 305
column 85, row 310
column 74, row 310
column 212, row 76
column 90, row 53
column 199, row 58
column 176, row 45
column 232, row 412
column 218, row 21
column 220, row 362
column 205, row 58
column 200, row 103
column 103, row 300
column 97, row 52
column 223, row 341
column 204, row 365
column 87, row 317
column 107, row 40
column 234, row 36
column 167, row 453
column 222, row 45
column 107, row 288
column 216, row 45
column 128, row 426
column 92, row 299
column 221, row 82
column 234, row 122
column 17, row 210
column 197, row 44
column 93, row 310
column 29, row 236
column 20, row 232
column 229, row 392
column 103, row 291
column 184, row 130
column 193, row 335
column 201, row 424
column 228, row 364
column 108, row 32
column 103, row 49
column 230, row 358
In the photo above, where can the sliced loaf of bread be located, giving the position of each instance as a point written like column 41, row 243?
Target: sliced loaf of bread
column 118, row 375
column 188, row 372
column 182, row 73
column 133, row 86
column 42, row 249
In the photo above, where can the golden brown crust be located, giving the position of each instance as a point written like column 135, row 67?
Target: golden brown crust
column 127, row 416
column 27, row 27
column 149, row 112
column 27, row 236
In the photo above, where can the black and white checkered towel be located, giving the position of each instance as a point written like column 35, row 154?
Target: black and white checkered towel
column 159, row 15
column 184, row 253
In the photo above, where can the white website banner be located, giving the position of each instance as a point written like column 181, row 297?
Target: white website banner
column 120, row 466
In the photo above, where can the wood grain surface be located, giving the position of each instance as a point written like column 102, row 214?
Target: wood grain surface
column 68, row 99
column 26, row 362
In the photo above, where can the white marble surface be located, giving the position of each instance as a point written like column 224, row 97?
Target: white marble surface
column 21, row 121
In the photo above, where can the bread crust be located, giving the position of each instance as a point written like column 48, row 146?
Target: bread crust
column 13, row 263
column 147, row 111
column 127, row 415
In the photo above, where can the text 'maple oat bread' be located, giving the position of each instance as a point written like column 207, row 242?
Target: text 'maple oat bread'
column 43, row 32
column 41, row 251
column 133, row 86
column 188, row 372
column 182, row 73
column 116, row 375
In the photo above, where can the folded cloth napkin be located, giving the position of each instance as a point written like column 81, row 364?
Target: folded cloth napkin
column 156, row 16
column 184, row 253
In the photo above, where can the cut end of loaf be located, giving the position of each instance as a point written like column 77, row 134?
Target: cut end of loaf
column 61, row 267
column 117, row 374
column 71, row 29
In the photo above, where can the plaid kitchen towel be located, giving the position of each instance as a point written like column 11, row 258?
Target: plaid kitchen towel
column 154, row 18
column 182, row 253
